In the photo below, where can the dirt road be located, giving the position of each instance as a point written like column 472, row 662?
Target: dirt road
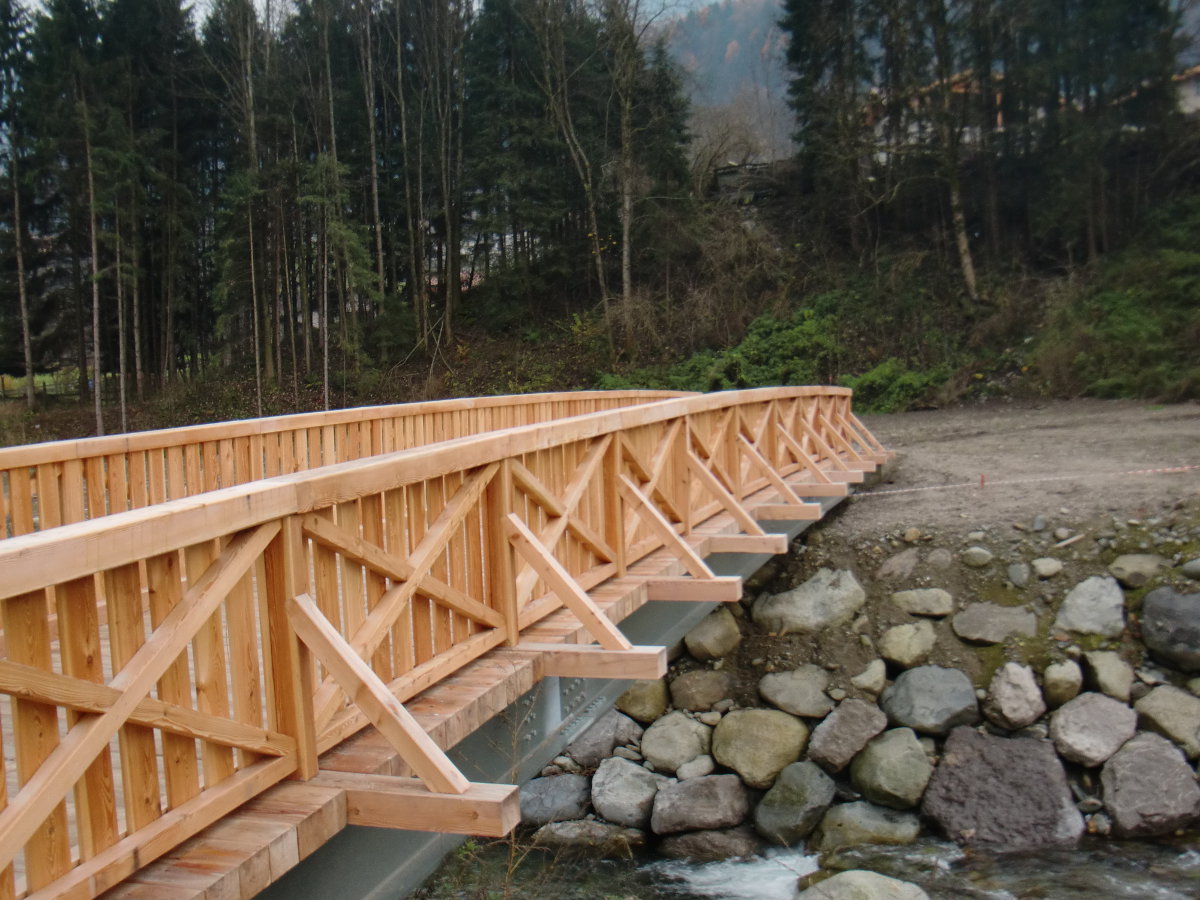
column 1076, row 456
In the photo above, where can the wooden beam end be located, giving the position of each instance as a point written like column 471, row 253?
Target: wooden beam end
column 721, row 589
column 591, row 661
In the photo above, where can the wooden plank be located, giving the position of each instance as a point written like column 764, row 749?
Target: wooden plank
column 590, row 661
column 49, row 496
column 373, row 698
column 748, row 543
column 788, row 512
column 20, row 500
column 165, row 590
column 488, row 810
column 500, row 563
column 719, row 589
column 242, row 638
column 831, row 489
column 82, row 660
column 726, row 499
column 35, row 740
column 560, row 581
column 663, row 530
column 211, row 676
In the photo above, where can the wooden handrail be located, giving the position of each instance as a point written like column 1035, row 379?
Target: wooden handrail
column 288, row 613
column 50, row 484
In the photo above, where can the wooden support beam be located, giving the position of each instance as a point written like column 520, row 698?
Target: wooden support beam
column 560, row 581
column 726, row 499
column 590, row 661
column 748, row 543
column 372, row 696
column 681, row 588
column 866, row 433
column 786, row 494
column 384, row 801
column 662, row 528
column 848, row 476
column 823, row 489
column 788, row 512
column 818, row 474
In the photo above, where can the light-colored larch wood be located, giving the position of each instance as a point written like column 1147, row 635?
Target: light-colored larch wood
column 590, row 661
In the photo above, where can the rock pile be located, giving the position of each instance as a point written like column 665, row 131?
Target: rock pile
column 1055, row 721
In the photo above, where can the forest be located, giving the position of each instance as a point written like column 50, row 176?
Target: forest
column 258, row 207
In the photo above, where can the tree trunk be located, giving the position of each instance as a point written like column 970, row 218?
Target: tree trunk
column 19, row 242
column 97, row 372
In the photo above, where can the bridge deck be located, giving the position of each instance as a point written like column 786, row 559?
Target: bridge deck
column 342, row 627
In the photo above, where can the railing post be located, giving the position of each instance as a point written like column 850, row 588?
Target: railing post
column 290, row 662
column 614, row 510
column 498, row 504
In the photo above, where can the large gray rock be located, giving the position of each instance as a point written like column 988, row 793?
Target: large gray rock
column 700, row 804
column 591, row 839
column 554, row 799
column 709, row 846
column 758, row 743
column 976, row 557
column 1191, row 569
column 1149, row 788
column 1007, row 792
column 853, row 824
column 644, row 701
column 900, row 566
column 925, row 602
column 1018, row 574
column 623, row 792
column 1171, row 627
column 1094, row 606
column 613, row 729
column 1014, row 699
column 990, row 623
column 800, row 692
column 700, row 689
column 716, row 636
column 860, row 884
column 1109, row 674
column 845, row 732
column 1174, row 714
column 931, row 700
column 793, row 806
column 872, row 679
column 908, row 645
column 828, row 598
column 1046, row 567
column 1062, row 681
column 1135, row 570
column 1091, row 728
column 675, row 739
column 892, row 770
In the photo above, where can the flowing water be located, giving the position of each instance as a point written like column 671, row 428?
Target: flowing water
column 1098, row 870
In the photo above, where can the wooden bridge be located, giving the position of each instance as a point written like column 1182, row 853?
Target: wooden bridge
column 225, row 643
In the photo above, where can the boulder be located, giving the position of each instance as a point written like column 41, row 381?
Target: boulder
column 860, row 884
column 1062, row 681
column 554, row 799
column 716, row 636
column 1171, row 627
column 644, row 701
column 900, row 566
column 976, row 557
column 696, row 768
column 925, row 602
column 675, row 739
column 758, row 744
column 1046, row 567
column 939, row 558
column 1135, row 570
column 591, row 839
column 908, row 645
column 611, row 730
column 872, row 679
column 700, row 804
column 1091, row 728
column 989, row 623
column 1191, row 569
column 700, row 689
column 828, row 598
column 800, row 692
column 1173, row 713
column 623, row 792
column 710, row 846
column 1094, row 606
column 1018, row 574
column 1014, row 699
column 1149, row 788
column 931, row 700
column 1109, row 674
column 892, row 770
column 793, row 806
column 1006, row 792
column 845, row 732
column 853, row 824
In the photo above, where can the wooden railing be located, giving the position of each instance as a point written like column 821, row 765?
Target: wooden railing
column 168, row 663
column 47, row 485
